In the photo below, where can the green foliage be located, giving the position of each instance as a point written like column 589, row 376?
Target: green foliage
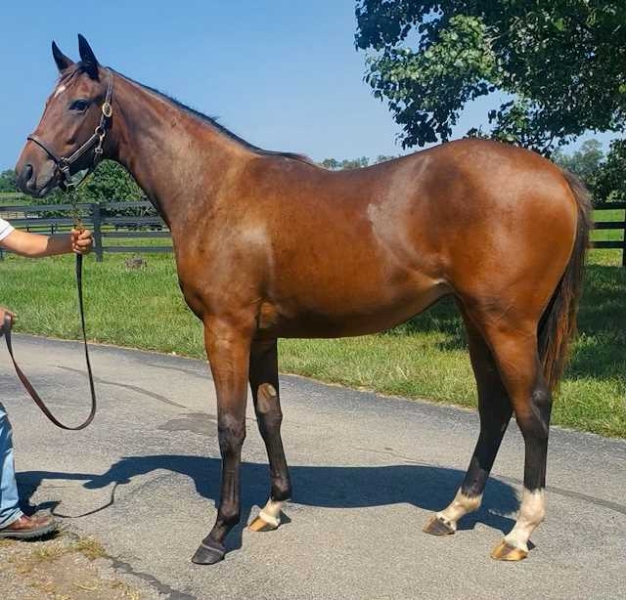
column 603, row 174
column 560, row 64
column 586, row 162
column 8, row 181
column 110, row 182
column 610, row 183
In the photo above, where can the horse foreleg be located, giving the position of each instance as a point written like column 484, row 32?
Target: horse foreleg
column 264, row 385
column 228, row 349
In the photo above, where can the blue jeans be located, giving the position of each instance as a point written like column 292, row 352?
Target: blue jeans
column 9, row 499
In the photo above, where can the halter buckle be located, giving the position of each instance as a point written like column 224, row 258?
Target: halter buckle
column 107, row 110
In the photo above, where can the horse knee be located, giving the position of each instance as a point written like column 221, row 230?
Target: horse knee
column 281, row 489
column 231, row 434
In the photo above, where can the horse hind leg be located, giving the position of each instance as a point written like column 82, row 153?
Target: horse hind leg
column 264, row 385
column 495, row 411
column 515, row 349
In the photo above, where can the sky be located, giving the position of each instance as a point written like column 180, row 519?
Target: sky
column 282, row 74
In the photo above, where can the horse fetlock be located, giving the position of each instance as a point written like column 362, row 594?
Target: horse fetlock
column 460, row 506
column 281, row 489
column 228, row 516
column 531, row 514
column 269, row 517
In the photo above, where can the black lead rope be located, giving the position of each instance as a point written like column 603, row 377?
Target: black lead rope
column 6, row 330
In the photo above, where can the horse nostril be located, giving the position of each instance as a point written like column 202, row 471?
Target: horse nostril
column 25, row 177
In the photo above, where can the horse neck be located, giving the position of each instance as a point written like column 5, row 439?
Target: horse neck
column 174, row 156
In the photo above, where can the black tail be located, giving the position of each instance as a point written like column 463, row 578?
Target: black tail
column 558, row 324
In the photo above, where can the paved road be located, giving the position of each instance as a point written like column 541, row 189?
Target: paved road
column 367, row 471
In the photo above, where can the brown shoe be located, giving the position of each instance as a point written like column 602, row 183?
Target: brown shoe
column 27, row 528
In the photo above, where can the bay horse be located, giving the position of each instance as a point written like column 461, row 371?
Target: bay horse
column 270, row 245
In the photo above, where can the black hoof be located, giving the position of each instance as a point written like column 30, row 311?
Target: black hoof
column 209, row 553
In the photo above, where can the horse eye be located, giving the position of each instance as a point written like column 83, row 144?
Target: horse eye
column 79, row 105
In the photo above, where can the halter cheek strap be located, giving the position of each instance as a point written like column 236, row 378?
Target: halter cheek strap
column 64, row 164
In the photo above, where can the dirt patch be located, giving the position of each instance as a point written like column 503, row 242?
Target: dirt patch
column 66, row 567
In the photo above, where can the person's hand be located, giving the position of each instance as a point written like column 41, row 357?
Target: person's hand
column 82, row 241
column 3, row 313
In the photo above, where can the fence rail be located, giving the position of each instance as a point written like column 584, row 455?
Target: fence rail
column 612, row 226
column 108, row 227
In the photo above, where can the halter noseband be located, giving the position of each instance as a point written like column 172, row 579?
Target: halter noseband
column 64, row 163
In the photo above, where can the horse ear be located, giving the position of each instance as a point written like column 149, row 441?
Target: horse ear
column 62, row 61
column 87, row 57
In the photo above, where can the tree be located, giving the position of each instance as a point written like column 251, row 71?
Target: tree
column 110, row 182
column 603, row 174
column 331, row 163
column 560, row 65
column 8, row 181
column 334, row 165
column 610, row 182
column 587, row 162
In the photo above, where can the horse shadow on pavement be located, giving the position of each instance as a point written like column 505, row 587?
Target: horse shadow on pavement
column 344, row 487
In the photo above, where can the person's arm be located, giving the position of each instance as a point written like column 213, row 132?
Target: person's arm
column 34, row 245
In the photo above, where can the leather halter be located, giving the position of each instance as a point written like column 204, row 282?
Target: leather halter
column 64, row 164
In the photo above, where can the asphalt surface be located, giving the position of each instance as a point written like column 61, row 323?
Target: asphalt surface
column 367, row 472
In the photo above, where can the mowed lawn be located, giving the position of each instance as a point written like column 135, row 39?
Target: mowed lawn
column 424, row 358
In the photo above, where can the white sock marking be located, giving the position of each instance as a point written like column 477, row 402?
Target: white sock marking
column 459, row 507
column 271, row 512
column 531, row 514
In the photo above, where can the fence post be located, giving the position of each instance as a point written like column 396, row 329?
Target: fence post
column 624, row 244
column 97, row 231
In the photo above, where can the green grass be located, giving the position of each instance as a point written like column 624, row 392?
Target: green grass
column 13, row 199
column 424, row 358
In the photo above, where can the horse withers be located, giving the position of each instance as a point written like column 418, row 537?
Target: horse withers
column 270, row 245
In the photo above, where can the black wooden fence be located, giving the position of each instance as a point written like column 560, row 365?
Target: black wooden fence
column 109, row 222
column 612, row 226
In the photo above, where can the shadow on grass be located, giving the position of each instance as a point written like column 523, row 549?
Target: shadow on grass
column 443, row 317
column 601, row 349
column 600, row 352
column 429, row 488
